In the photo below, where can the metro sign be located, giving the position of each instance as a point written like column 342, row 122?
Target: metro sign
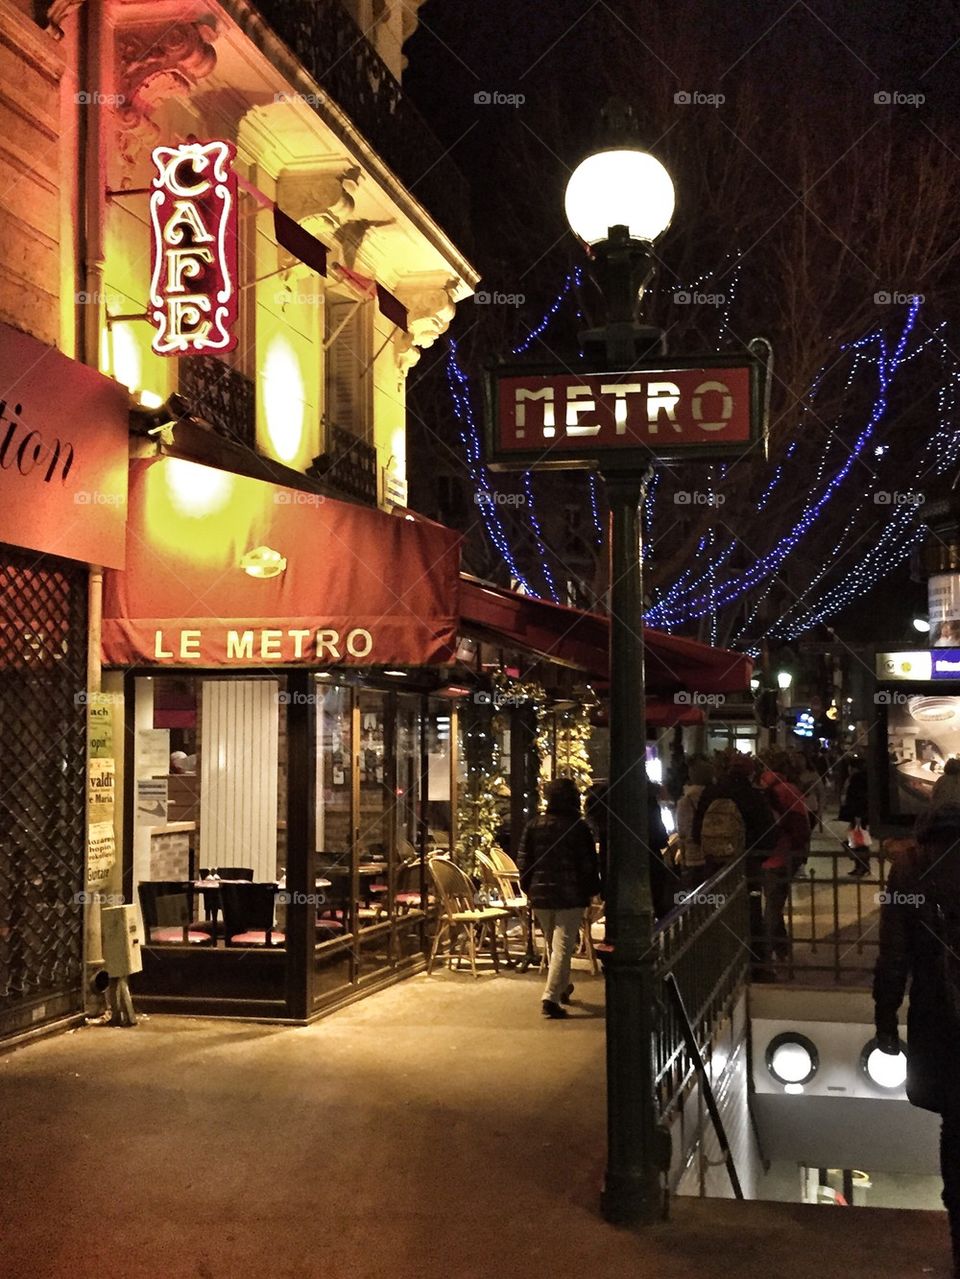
column 668, row 409
column 193, row 216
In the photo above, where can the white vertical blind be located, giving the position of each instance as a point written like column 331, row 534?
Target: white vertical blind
column 238, row 775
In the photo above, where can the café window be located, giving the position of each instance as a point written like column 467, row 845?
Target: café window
column 209, row 796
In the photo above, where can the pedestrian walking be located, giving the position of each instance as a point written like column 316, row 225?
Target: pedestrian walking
column 855, row 812
column 663, row 882
column 559, row 873
column 734, row 818
column 692, row 861
column 809, row 782
column 790, row 850
column 920, row 949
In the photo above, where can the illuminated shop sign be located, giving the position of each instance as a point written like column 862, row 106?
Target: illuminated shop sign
column 193, row 215
column 671, row 409
column 223, row 645
column 914, row 664
column 946, row 663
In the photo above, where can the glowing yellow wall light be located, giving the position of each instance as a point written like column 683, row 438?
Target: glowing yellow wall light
column 284, row 397
column 127, row 359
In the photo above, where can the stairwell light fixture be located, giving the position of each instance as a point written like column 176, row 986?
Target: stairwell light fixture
column 885, row 1071
column 792, row 1060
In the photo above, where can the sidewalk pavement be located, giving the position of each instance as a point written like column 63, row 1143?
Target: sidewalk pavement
column 439, row 1128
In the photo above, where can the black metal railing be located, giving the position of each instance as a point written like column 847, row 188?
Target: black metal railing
column 349, row 465
column 340, row 57
column 222, row 396
column 703, row 943
column 832, row 923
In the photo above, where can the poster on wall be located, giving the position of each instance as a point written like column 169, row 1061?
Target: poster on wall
column 101, row 778
column 101, row 855
column 943, row 599
column 100, row 729
column 923, row 732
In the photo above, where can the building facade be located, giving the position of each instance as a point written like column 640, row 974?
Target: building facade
column 341, row 270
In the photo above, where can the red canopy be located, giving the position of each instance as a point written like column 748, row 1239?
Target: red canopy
column 223, row 570
column 665, row 714
column 582, row 640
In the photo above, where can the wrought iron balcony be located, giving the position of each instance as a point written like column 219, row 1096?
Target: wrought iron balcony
column 339, row 56
column 221, row 396
column 349, row 465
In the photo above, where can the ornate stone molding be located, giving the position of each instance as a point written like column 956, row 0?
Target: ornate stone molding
column 154, row 63
column 323, row 202
column 429, row 313
column 57, row 12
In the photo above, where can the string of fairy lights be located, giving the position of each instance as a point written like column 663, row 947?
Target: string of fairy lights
column 711, row 584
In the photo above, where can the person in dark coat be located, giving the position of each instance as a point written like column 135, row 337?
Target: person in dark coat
column 664, row 884
column 560, row 875
column 920, row 948
column 735, row 781
column 854, row 811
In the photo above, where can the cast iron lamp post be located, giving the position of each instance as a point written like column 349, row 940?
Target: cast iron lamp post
column 619, row 201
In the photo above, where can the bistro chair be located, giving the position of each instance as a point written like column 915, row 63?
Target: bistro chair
column 166, row 908
column 248, row 911
column 408, row 895
column 235, row 872
column 459, row 913
column 503, row 894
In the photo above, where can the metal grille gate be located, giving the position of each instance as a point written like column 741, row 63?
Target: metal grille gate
column 43, row 645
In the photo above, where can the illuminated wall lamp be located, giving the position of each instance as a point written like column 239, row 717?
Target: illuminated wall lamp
column 792, row 1060
column 263, row 562
column 886, row 1071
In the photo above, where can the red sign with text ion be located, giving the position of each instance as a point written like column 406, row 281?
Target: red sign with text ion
column 561, row 419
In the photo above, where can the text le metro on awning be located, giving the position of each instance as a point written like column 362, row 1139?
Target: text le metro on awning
column 560, row 419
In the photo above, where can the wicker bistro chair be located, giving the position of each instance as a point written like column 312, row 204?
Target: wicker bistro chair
column 502, row 878
column 458, row 912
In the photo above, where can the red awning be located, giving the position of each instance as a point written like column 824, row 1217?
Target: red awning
column 333, row 583
column 582, row 640
column 665, row 714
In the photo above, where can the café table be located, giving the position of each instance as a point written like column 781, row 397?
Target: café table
column 210, row 891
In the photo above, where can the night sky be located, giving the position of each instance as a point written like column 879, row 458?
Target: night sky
column 798, row 82
column 558, row 51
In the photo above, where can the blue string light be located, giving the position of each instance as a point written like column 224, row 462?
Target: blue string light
column 574, row 277
column 706, row 587
column 459, row 386
column 538, row 534
column 594, row 506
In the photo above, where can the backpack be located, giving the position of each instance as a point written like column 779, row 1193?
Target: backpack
column 723, row 835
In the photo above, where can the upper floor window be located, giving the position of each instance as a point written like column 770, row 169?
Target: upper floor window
column 348, row 371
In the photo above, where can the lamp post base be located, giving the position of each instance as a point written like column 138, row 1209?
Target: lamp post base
column 630, row 1200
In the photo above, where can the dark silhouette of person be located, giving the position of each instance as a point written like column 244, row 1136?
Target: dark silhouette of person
column 920, row 950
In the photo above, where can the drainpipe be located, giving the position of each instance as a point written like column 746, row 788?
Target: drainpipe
column 96, row 979
column 92, row 78
column 91, row 206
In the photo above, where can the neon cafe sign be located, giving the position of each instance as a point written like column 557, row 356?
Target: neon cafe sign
column 193, row 216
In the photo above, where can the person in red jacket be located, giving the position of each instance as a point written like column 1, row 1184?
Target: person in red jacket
column 792, row 845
